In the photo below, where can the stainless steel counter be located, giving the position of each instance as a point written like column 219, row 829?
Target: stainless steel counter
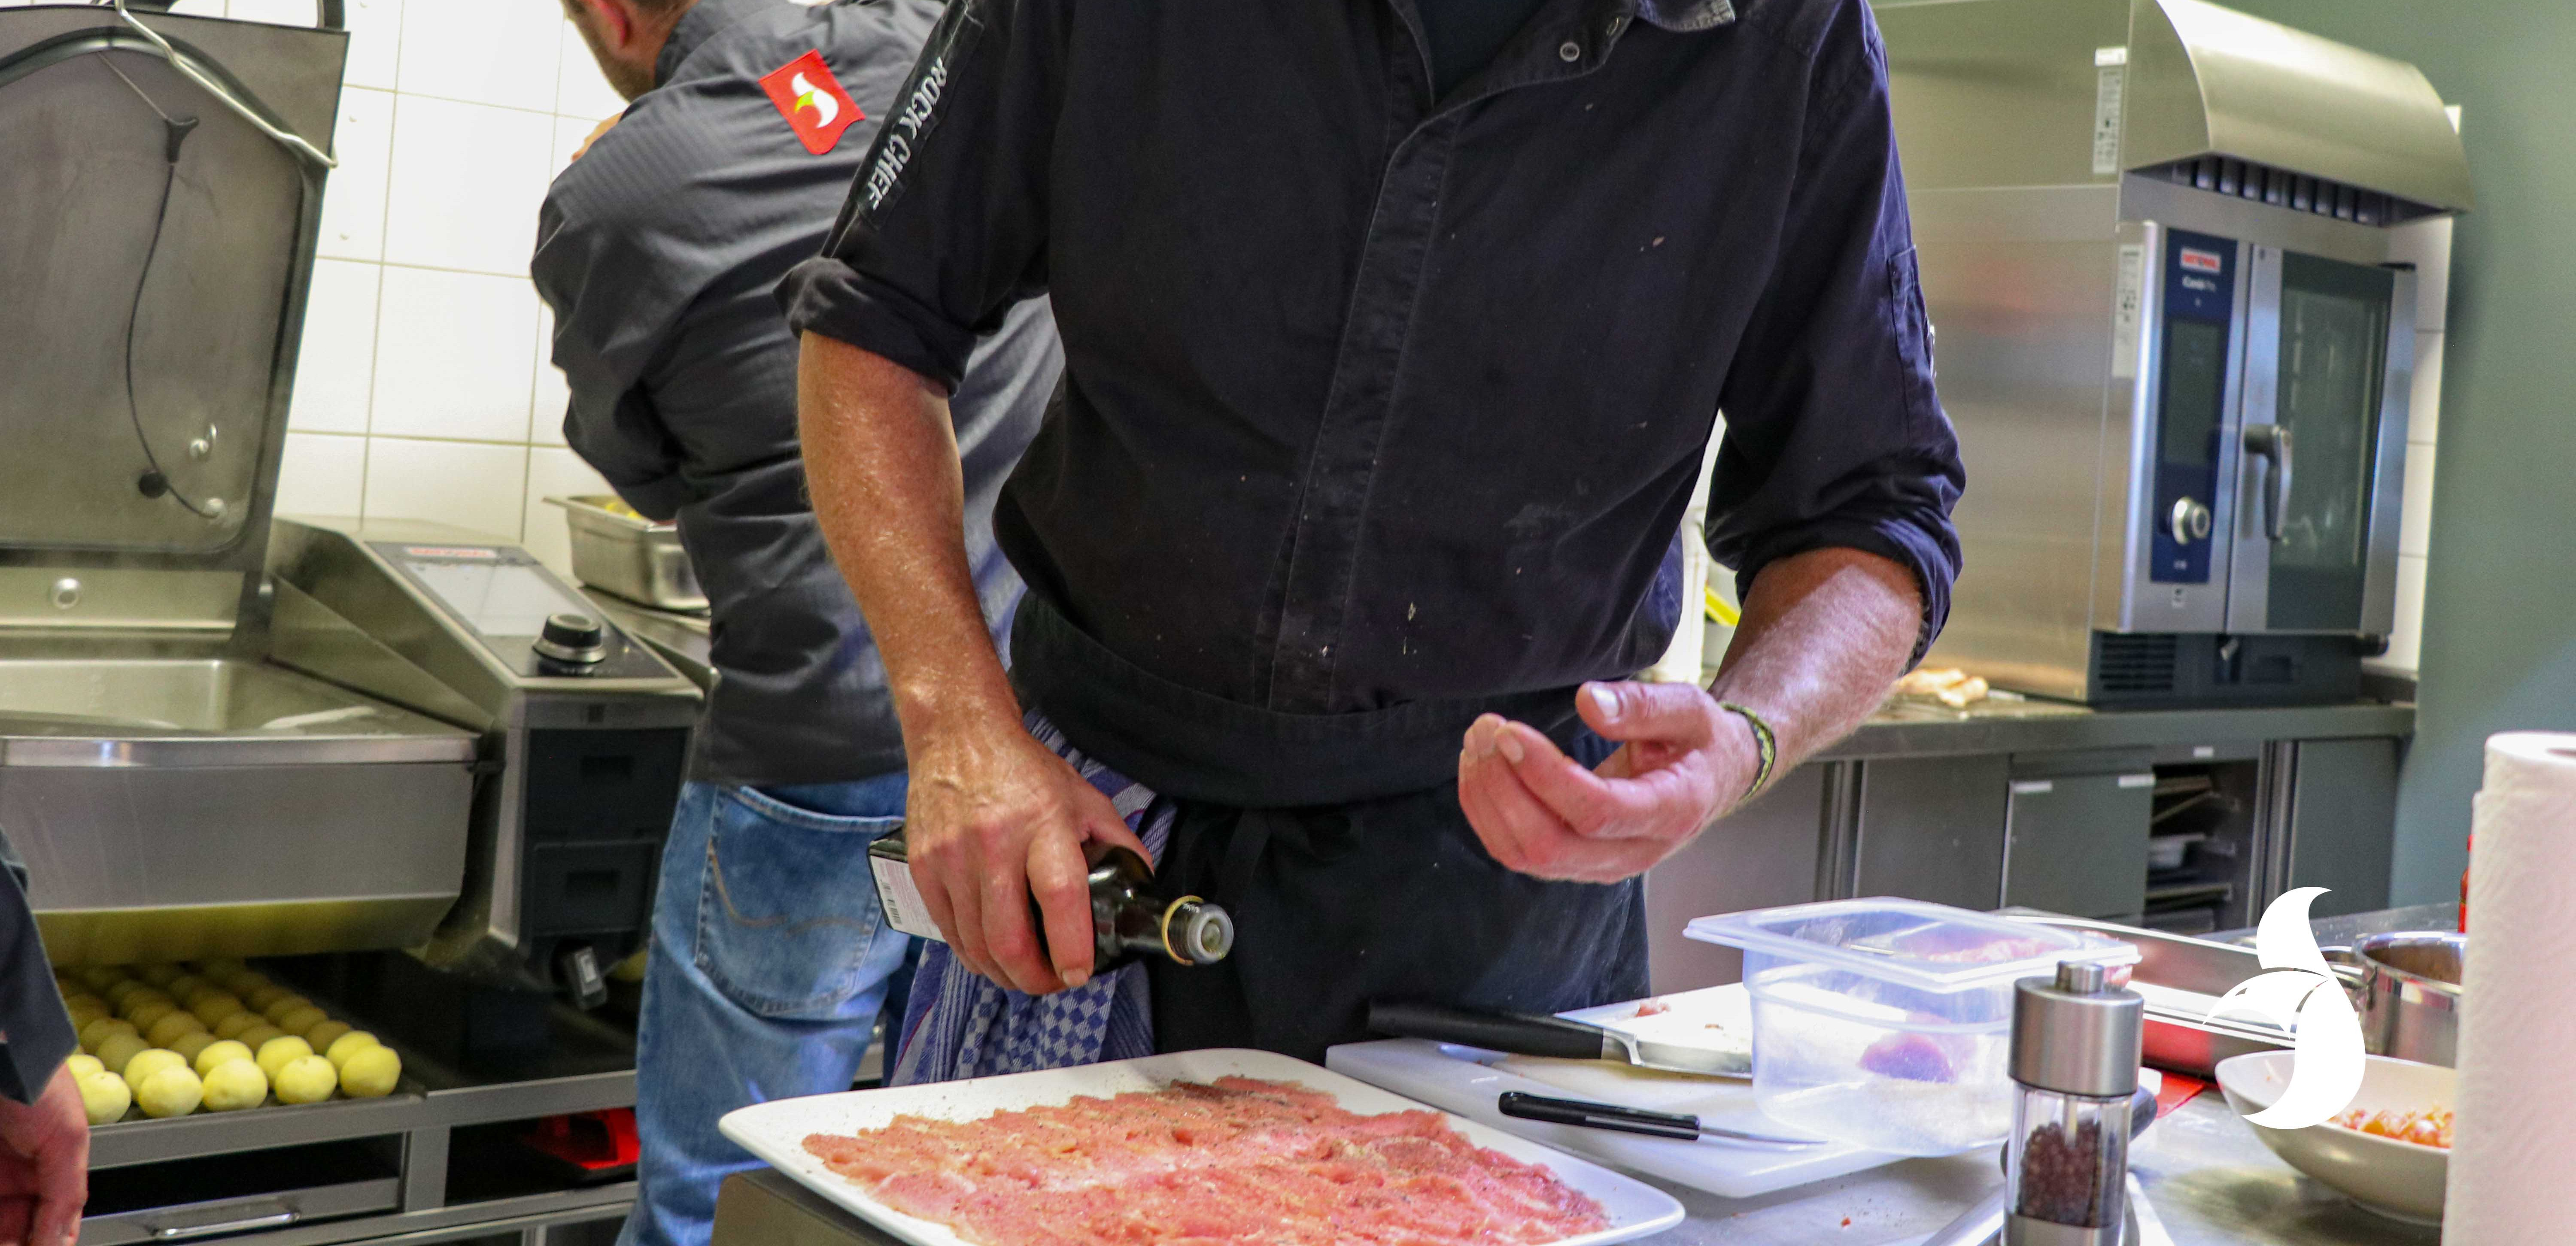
column 1907, row 729
column 2209, row 1180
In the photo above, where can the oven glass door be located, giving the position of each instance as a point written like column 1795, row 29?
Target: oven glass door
column 2312, row 440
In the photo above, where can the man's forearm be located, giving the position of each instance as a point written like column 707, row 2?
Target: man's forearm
column 881, row 464
column 1824, row 634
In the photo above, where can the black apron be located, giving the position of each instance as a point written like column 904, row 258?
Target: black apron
column 1338, row 845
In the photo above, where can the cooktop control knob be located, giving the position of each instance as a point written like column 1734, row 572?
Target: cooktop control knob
column 575, row 638
column 2190, row 520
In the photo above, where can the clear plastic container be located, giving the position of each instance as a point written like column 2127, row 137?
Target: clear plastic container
column 1887, row 1023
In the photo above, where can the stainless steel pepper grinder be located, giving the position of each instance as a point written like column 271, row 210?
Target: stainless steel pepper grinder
column 2075, row 1050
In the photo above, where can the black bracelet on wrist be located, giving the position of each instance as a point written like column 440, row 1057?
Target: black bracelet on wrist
column 1766, row 748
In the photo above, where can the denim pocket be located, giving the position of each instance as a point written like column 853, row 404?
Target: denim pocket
column 788, row 922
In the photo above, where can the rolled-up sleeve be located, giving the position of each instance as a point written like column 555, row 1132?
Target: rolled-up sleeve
column 945, row 227
column 1834, row 435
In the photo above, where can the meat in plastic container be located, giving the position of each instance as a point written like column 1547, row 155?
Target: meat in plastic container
column 1886, row 1023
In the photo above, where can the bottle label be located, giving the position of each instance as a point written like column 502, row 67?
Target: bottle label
column 900, row 899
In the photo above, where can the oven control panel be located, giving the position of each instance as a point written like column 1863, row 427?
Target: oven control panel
column 2191, row 402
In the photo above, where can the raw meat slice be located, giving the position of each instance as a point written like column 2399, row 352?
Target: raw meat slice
column 1198, row 1164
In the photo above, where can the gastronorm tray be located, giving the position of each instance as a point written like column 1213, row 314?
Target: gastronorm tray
column 631, row 556
column 2182, row 978
column 776, row 1131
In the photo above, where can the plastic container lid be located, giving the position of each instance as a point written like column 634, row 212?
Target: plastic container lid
column 1912, row 943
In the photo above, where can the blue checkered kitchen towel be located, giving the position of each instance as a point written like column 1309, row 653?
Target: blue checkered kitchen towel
column 961, row 1025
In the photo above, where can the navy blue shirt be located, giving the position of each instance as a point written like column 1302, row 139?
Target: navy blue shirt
column 1373, row 400
column 1464, row 34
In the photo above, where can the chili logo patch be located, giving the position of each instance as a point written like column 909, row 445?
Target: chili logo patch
column 812, row 100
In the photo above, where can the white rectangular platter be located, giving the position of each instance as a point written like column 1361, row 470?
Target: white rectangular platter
column 776, row 1131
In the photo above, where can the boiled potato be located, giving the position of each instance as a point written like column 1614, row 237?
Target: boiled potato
column 232, row 1026
column 143, row 1012
column 160, row 975
column 299, row 1020
column 219, row 1053
column 85, row 1009
column 149, row 1061
column 215, row 1007
column 171, row 1092
column 305, row 1079
column 245, row 982
column 115, row 992
column 96, row 1032
column 257, row 1036
column 327, row 1033
column 132, row 994
column 276, row 1052
column 118, row 1049
column 193, row 1045
column 168, row 1029
column 235, row 1086
column 101, row 977
column 82, row 1066
column 222, row 967
column 187, row 987
column 278, row 1008
column 261, row 998
column 104, row 1097
column 348, row 1045
column 371, row 1072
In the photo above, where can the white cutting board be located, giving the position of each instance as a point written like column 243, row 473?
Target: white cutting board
column 1466, row 1081
column 776, row 1131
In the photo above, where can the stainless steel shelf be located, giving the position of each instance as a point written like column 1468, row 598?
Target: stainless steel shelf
column 259, row 1129
column 491, row 1218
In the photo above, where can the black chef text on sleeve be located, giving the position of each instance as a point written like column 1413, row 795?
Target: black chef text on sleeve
column 919, row 286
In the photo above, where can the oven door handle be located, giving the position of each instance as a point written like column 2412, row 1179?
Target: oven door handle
column 2272, row 442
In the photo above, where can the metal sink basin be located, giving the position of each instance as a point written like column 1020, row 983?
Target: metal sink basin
column 142, row 697
column 172, row 808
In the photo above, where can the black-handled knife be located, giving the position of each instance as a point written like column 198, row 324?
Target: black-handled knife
column 1527, row 1034
column 1632, row 1120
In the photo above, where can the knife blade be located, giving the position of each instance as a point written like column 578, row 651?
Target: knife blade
column 1529, row 1034
column 1633, row 1120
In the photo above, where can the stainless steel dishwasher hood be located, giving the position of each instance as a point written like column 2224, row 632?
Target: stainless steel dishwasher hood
column 174, row 793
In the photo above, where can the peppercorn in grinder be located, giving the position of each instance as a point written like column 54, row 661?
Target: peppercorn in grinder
column 2075, row 1050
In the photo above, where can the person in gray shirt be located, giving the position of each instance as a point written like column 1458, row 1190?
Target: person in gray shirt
column 658, row 250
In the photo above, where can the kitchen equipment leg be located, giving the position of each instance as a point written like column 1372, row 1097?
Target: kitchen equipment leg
column 424, row 1169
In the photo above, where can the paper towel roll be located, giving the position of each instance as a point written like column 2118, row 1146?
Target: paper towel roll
column 2513, row 1169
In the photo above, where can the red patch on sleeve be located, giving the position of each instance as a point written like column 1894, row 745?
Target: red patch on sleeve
column 812, row 100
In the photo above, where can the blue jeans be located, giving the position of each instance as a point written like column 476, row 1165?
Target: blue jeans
column 770, row 963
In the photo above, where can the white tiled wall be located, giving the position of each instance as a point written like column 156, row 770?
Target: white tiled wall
column 423, row 391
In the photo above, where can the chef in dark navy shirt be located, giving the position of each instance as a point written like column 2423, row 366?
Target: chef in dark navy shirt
column 1395, row 331
column 657, row 250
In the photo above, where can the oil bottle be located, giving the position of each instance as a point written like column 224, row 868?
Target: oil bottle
column 1130, row 917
